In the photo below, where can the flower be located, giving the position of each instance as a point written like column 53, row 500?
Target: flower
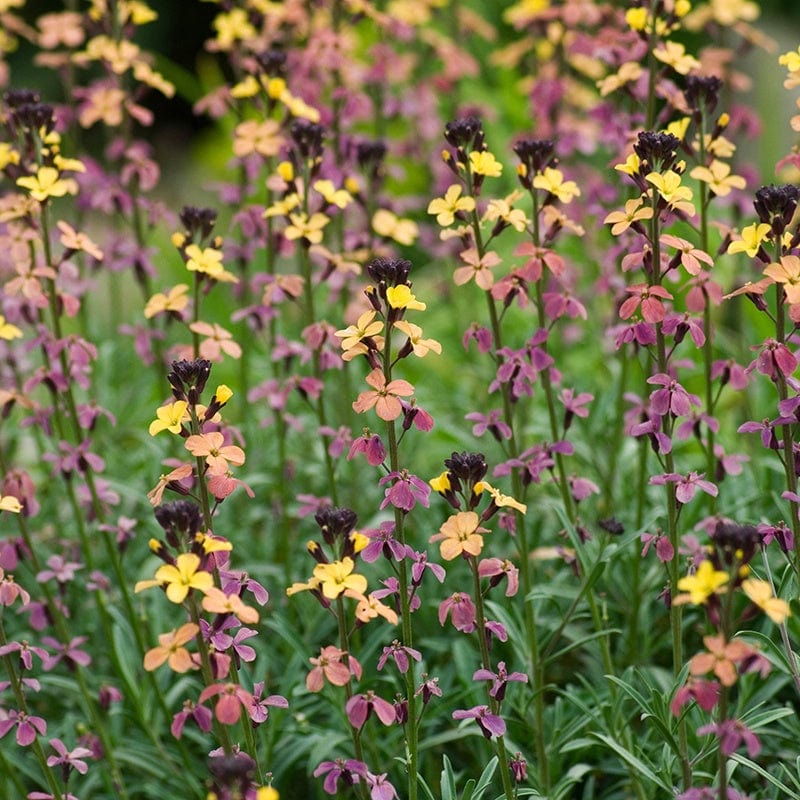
column 499, row 499
column 478, row 268
column 400, row 296
column 706, row 581
column 674, row 55
column 168, row 418
column 334, row 578
column 68, row 759
column 419, row 346
column 360, row 706
column 718, row 177
column 305, row 227
column 353, row 336
column 184, row 575
column 669, row 187
column 634, row 212
column 649, row 298
column 10, row 503
column 403, row 231
column 231, row 699
column 760, row 593
column 347, row 772
column 329, row 666
column 217, row 454
column 552, row 181
column 217, row 602
column 170, row 650
column 752, row 237
column 787, row 273
column 721, row 658
column 340, row 198
column 262, row 137
column 500, row 679
column 484, row 163
column 370, row 607
column 384, row 396
column 218, row 341
column 490, row 724
column 448, row 206
column 460, row 534
column 46, row 184
column 175, row 300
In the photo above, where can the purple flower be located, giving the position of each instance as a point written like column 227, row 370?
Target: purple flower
column 673, row 398
column 382, row 541
column 732, row 733
column 360, row 706
column 420, row 564
column 379, row 787
column 347, row 771
column 371, row 446
column 68, row 759
column 767, row 430
column 664, row 549
column 686, row 486
column 259, row 712
column 460, row 606
column 482, row 337
column 200, row 714
column 26, row 653
column 68, row 652
column 499, row 680
column 705, row 693
column 400, row 654
column 63, row 571
column 492, row 422
column 773, row 358
column 27, row 726
column 406, row 491
column 428, row 688
column 519, row 768
column 490, row 724
column 574, row 406
column 496, row 569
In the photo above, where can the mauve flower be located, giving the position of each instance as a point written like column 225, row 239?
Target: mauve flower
column 406, row 491
column 732, row 733
column 496, row 569
column 68, row 759
column 379, row 787
column 492, row 422
column 673, row 398
column 460, row 606
column 68, row 652
column 259, row 711
column 360, row 706
column 686, row 485
column 400, row 654
column 27, row 726
column 231, row 699
column 499, row 680
column 200, row 714
column 371, row 446
column 382, row 541
column 774, row 358
column 490, row 724
column 705, row 693
column 347, row 771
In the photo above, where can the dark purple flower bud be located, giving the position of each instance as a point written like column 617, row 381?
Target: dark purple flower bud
column 465, row 133
column 702, row 93
column 199, row 222
column 181, row 519
column 657, row 149
column 188, row 379
column 272, row 62
column 335, row 522
column 775, row 205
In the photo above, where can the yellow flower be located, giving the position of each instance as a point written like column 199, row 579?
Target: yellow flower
column 636, row 18
column 180, row 578
column 679, row 127
column 170, row 649
column 337, row 576
column 718, row 177
column 760, row 593
column 305, row 227
column 46, row 183
column 500, row 500
column 629, row 72
column 634, row 212
column 7, row 330
column 669, row 187
column 232, row 26
column 441, row 483
column 352, row 336
column 267, row 793
column 176, row 300
column 791, row 60
column 8, row 155
column 459, row 534
column 282, row 208
column 674, row 54
column 403, row 231
column 223, row 394
column 10, row 503
column 420, row 347
column 208, row 260
column 552, row 181
column 752, row 237
column 484, row 163
column 448, row 206
column 705, row 582
column 631, row 166
column 336, row 197
column 401, row 297
column 501, row 208
column 168, row 418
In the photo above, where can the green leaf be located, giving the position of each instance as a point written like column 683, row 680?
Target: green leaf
column 448, row 780
column 484, row 780
column 634, row 761
column 788, row 794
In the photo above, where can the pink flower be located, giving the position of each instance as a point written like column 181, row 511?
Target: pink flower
column 732, row 733
column 462, row 609
column 231, row 699
column 383, row 397
column 360, row 706
column 27, row 726
column 649, row 299
column 328, row 666
column 218, row 455
column 490, row 724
